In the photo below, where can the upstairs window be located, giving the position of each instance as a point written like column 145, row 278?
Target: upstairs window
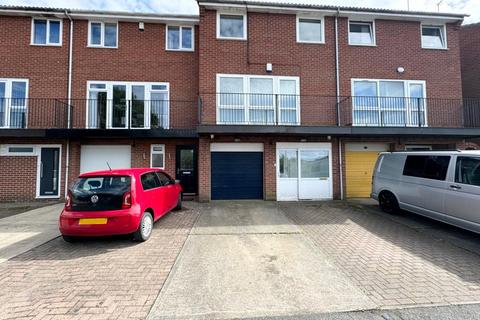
column 310, row 30
column 180, row 38
column 103, row 34
column 47, row 32
column 434, row 37
column 361, row 33
column 232, row 26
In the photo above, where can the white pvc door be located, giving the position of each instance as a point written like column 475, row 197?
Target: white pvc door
column 304, row 171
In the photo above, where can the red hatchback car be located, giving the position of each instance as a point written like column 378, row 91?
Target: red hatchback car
column 120, row 201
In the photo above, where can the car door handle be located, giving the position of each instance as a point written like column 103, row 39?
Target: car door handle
column 455, row 187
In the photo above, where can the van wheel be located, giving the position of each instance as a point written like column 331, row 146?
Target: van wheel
column 145, row 228
column 179, row 203
column 388, row 202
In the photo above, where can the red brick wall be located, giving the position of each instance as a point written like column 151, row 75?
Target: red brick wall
column 272, row 39
column 18, row 179
column 470, row 59
column 140, row 56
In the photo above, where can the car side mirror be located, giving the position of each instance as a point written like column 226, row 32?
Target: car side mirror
column 177, row 181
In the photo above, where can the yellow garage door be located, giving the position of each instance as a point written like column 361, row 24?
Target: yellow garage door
column 359, row 165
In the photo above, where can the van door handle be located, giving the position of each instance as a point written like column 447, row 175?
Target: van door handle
column 455, row 187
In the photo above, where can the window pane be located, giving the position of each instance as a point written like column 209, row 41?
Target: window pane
column 310, row 30
column 20, row 150
column 366, row 117
column 365, row 93
column 261, row 92
column 232, row 115
column 361, row 33
column 159, row 87
column 40, row 32
column 173, row 37
column 428, row 167
column 187, row 38
column 432, row 37
column 314, row 164
column 98, row 86
column 54, row 36
column 96, row 33
column 232, row 91
column 392, row 95
column 468, row 171
column 157, row 160
column 288, row 164
column 164, row 180
column 2, row 104
column 19, row 90
column 186, row 159
column 231, row 26
column 110, row 34
column 159, row 109
column 288, row 90
column 149, row 181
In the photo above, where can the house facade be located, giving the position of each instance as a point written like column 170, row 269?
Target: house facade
column 258, row 101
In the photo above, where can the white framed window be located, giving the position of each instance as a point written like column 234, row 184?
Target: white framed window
column 385, row 102
column 157, row 156
column 434, row 37
column 310, row 30
column 13, row 103
column 231, row 25
column 127, row 105
column 18, row 150
column 180, row 38
column 256, row 99
column 361, row 33
column 46, row 32
column 103, row 34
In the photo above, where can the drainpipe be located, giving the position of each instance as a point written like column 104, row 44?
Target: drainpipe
column 69, row 98
column 337, row 76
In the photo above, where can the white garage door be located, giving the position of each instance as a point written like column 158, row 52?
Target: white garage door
column 93, row 158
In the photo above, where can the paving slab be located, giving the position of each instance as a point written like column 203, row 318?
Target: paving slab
column 24, row 231
column 243, row 217
column 255, row 265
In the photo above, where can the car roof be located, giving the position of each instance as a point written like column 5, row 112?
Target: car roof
column 119, row 172
column 453, row 152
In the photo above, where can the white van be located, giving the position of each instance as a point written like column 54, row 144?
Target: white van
column 443, row 185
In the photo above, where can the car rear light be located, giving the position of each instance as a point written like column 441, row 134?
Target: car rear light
column 68, row 201
column 127, row 200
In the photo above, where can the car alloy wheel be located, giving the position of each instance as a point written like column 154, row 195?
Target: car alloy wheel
column 145, row 228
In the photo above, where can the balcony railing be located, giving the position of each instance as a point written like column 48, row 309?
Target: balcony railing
column 34, row 113
column 257, row 108
column 133, row 114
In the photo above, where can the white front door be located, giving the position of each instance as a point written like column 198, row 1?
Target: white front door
column 304, row 171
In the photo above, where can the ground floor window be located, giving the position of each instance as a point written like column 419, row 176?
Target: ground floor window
column 122, row 105
column 157, row 156
column 252, row 99
column 389, row 102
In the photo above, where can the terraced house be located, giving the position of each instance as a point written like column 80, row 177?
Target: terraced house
column 248, row 100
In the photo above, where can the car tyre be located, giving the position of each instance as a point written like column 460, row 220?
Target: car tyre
column 179, row 203
column 70, row 239
column 388, row 202
column 145, row 228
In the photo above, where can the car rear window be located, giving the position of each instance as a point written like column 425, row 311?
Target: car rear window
column 103, row 184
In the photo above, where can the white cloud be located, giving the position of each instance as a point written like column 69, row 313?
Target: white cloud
column 470, row 7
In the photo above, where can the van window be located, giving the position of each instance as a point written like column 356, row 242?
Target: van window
column 468, row 171
column 150, row 181
column 428, row 167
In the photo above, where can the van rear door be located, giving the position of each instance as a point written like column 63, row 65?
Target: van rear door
column 463, row 192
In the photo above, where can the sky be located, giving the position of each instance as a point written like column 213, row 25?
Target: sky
column 471, row 7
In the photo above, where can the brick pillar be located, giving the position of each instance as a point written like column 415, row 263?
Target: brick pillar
column 204, row 169
column 270, row 172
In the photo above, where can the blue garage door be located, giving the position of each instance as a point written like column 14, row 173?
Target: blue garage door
column 237, row 175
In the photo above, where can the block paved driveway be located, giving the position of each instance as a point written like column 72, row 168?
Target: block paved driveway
column 249, row 259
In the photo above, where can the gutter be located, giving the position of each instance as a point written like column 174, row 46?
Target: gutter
column 337, row 84
column 69, row 98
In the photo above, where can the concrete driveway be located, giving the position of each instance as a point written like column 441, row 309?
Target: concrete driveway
column 255, row 260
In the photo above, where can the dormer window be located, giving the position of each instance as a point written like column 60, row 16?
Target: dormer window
column 46, row 32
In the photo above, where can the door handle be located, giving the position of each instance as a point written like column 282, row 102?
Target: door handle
column 455, row 187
